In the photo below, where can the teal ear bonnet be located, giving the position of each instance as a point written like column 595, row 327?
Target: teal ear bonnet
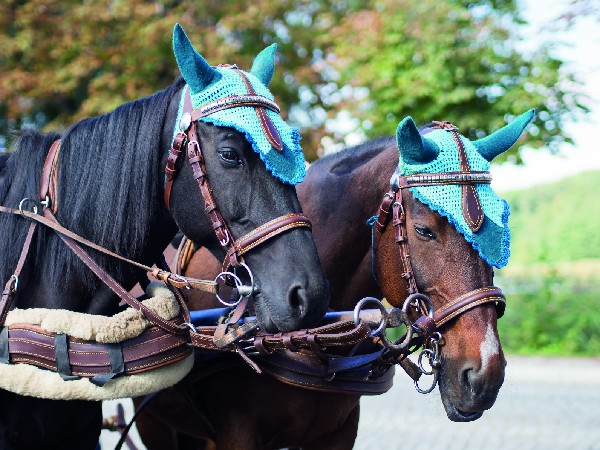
column 208, row 84
column 437, row 152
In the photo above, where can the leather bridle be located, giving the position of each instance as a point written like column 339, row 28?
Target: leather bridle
column 180, row 328
column 392, row 207
column 187, row 138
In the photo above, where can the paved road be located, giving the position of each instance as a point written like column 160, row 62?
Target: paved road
column 545, row 403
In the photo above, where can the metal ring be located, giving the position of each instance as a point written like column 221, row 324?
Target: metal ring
column 419, row 296
column 431, row 388
column 359, row 306
column 225, row 242
column 190, row 326
column 251, row 287
column 16, row 285
column 430, row 354
column 238, row 284
column 22, row 203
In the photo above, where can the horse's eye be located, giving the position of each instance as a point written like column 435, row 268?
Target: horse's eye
column 425, row 232
column 229, row 156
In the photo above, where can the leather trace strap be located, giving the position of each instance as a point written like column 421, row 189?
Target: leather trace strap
column 161, row 275
column 12, row 284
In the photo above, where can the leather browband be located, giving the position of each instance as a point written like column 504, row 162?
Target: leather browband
column 234, row 101
column 432, row 179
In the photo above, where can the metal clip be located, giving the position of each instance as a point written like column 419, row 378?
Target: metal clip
column 15, row 286
column 22, row 204
column 185, row 122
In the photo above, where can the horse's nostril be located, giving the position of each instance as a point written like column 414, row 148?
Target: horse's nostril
column 297, row 299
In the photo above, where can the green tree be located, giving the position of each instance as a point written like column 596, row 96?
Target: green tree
column 377, row 60
column 450, row 61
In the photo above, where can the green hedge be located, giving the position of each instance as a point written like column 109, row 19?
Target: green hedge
column 551, row 315
column 547, row 314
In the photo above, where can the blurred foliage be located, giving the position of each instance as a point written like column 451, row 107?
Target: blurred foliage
column 378, row 60
column 556, row 222
column 551, row 315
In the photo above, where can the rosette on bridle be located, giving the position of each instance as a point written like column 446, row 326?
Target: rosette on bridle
column 461, row 192
column 230, row 97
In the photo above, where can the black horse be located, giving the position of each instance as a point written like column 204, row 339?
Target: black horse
column 110, row 190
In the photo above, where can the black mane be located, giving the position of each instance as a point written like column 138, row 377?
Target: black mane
column 3, row 159
column 352, row 158
column 108, row 185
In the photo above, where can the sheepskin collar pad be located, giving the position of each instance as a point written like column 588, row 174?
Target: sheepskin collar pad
column 62, row 355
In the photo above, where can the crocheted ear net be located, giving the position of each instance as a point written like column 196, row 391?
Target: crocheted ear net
column 492, row 240
column 287, row 165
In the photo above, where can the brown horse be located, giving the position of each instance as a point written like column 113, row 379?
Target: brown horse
column 339, row 194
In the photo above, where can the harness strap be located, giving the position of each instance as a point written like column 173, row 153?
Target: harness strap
column 4, row 352
column 49, row 178
column 117, row 365
column 11, row 285
column 184, row 255
column 167, row 277
column 265, row 232
column 61, row 353
column 119, row 290
column 469, row 301
column 196, row 160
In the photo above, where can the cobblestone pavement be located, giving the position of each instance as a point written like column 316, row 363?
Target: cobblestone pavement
column 545, row 403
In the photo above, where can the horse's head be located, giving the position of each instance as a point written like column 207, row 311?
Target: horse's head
column 252, row 160
column 456, row 231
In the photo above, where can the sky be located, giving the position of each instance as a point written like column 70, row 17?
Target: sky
column 581, row 54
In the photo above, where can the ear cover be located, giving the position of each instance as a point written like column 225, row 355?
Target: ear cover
column 208, row 84
column 500, row 141
column 264, row 64
column 438, row 153
column 197, row 73
column 414, row 148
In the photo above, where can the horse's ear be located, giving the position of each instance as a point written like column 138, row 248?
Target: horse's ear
column 414, row 148
column 194, row 68
column 498, row 142
column 264, row 64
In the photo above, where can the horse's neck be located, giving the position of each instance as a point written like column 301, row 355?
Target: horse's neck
column 72, row 291
column 339, row 206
